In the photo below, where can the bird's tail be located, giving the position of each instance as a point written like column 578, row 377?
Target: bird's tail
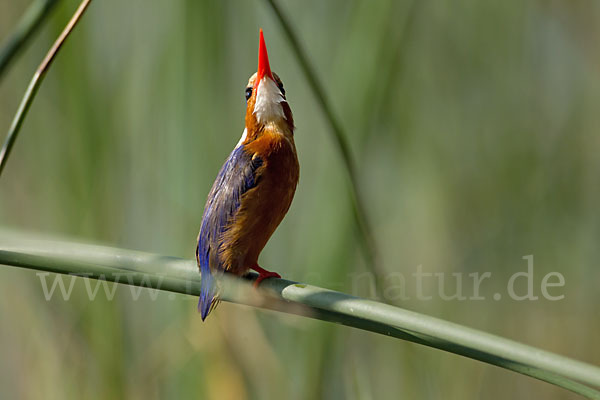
column 208, row 292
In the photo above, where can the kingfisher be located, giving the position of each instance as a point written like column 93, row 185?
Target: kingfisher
column 253, row 190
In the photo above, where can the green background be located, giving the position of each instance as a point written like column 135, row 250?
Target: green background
column 474, row 126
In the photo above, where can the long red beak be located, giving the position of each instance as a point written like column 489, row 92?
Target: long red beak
column 264, row 69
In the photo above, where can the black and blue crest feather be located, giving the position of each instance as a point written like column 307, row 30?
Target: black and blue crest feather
column 236, row 177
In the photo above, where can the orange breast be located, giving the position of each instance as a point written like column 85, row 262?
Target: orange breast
column 263, row 207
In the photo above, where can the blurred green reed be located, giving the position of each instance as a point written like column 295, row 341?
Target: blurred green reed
column 340, row 138
column 39, row 74
column 474, row 130
column 30, row 21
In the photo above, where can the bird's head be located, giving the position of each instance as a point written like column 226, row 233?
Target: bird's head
column 266, row 105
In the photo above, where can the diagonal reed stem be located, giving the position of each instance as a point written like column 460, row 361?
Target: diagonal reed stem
column 37, row 12
column 34, row 85
column 358, row 205
column 181, row 276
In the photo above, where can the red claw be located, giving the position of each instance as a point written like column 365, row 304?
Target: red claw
column 263, row 274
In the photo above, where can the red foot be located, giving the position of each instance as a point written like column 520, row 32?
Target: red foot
column 263, row 274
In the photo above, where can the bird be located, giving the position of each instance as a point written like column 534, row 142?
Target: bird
column 253, row 190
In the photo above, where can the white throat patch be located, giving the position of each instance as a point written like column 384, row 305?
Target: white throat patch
column 243, row 138
column 268, row 98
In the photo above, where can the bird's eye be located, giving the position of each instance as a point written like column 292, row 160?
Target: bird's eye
column 282, row 89
column 248, row 93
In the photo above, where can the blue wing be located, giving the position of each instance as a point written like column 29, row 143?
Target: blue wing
column 237, row 176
